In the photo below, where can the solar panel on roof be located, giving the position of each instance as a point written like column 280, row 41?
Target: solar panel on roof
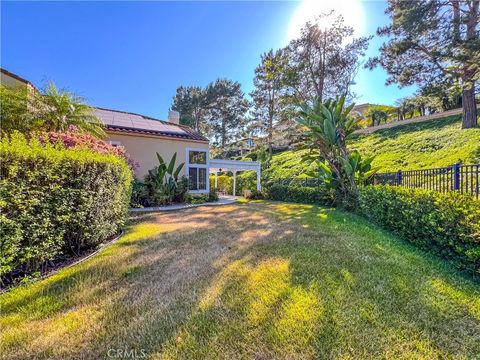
column 106, row 117
column 137, row 122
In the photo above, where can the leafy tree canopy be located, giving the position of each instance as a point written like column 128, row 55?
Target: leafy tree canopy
column 269, row 94
column 190, row 102
column 52, row 109
column 227, row 111
column 323, row 61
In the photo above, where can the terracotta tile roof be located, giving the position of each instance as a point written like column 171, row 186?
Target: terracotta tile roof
column 121, row 121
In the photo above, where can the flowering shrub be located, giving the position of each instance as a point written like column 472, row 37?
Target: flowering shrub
column 73, row 138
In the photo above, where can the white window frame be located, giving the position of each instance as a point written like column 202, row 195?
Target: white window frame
column 198, row 166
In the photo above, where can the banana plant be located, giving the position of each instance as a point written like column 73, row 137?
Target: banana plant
column 163, row 179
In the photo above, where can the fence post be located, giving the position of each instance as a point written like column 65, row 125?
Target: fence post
column 456, row 176
column 399, row 177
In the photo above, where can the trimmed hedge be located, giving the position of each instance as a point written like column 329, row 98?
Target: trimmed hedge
column 299, row 194
column 445, row 224
column 56, row 201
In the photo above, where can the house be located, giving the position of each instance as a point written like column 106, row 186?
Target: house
column 360, row 108
column 240, row 147
column 12, row 80
column 143, row 136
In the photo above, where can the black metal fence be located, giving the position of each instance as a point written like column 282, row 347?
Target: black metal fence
column 462, row 178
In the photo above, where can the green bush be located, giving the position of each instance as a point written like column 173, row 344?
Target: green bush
column 196, row 199
column 445, row 224
column 57, row 201
column 161, row 185
column 146, row 195
column 300, row 194
column 246, row 180
column 212, row 195
column 255, row 195
column 202, row 198
column 224, row 183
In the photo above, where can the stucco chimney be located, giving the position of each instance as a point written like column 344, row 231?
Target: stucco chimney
column 174, row 117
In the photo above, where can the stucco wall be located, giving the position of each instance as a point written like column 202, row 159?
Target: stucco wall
column 143, row 150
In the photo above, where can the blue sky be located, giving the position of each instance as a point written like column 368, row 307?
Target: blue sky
column 132, row 56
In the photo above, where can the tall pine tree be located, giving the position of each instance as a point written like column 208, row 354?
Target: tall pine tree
column 432, row 42
column 268, row 94
column 191, row 103
column 227, row 111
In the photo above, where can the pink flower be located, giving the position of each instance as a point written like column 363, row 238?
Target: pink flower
column 72, row 138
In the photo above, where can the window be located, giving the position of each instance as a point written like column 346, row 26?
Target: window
column 197, row 157
column 202, row 179
column 193, row 178
column 197, row 169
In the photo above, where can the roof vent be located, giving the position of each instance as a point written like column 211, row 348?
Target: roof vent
column 174, row 117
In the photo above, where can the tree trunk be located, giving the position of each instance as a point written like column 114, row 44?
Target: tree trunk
column 469, row 108
column 468, row 92
column 456, row 21
column 270, row 138
column 270, row 124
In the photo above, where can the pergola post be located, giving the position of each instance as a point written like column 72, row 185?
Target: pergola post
column 234, row 182
column 258, row 180
column 222, row 165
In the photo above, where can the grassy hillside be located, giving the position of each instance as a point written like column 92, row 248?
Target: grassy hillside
column 425, row 145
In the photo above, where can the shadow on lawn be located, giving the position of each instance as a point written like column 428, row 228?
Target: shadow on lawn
column 262, row 280
column 330, row 297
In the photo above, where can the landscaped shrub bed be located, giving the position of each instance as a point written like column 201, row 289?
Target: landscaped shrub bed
column 254, row 194
column 196, row 199
column 56, row 201
column 299, row 194
column 446, row 224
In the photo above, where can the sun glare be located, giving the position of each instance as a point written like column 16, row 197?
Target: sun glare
column 351, row 10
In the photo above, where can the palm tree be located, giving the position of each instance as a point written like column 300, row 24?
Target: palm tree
column 19, row 111
column 62, row 109
column 377, row 116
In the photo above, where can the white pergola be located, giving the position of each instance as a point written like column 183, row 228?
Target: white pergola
column 219, row 165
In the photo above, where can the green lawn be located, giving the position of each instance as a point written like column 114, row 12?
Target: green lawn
column 251, row 280
column 435, row 143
